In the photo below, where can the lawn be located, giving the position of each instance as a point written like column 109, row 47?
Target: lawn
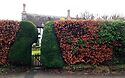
column 36, row 51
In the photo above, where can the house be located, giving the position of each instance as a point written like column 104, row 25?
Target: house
column 38, row 20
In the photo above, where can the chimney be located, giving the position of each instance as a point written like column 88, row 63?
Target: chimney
column 68, row 16
column 24, row 12
column 24, row 7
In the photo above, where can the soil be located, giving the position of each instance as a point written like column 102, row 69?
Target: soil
column 88, row 70
column 13, row 69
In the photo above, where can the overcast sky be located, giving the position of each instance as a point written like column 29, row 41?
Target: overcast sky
column 11, row 9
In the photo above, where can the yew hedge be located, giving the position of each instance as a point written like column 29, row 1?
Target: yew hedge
column 16, row 39
column 21, row 50
column 50, row 51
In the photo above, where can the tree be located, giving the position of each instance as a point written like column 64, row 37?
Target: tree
column 87, row 16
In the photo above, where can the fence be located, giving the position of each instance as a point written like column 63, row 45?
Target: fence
column 36, row 60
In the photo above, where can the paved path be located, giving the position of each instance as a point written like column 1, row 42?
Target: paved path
column 36, row 74
column 41, row 75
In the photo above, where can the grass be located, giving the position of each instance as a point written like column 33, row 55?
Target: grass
column 36, row 51
column 118, row 67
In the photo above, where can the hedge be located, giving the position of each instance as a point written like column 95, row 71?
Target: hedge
column 8, row 30
column 78, row 42
column 113, row 33
column 83, row 41
column 50, row 51
column 91, row 42
column 20, row 51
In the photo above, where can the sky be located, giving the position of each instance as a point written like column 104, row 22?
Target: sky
column 11, row 9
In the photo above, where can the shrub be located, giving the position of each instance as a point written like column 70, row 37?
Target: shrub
column 8, row 30
column 84, row 41
column 112, row 32
column 50, row 52
column 91, row 42
column 20, row 51
column 78, row 42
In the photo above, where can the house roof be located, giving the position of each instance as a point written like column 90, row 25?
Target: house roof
column 40, row 20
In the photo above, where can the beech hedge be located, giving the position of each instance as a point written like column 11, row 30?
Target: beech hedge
column 8, row 30
column 84, row 41
column 78, row 42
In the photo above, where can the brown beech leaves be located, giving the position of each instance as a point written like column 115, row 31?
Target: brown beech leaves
column 78, row 41
column 8, row 30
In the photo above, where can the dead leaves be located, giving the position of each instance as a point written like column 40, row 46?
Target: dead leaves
column 77, row 41
column 8, row 30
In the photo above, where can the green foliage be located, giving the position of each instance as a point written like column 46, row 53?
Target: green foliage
column 20, row 51
column 109, row 31
column 80, row 42
column 114, row 31
column 80, row 67
column 36, row 50
column 77, row 67
column 50, row 52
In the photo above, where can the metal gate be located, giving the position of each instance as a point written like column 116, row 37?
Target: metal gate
column 36, row 60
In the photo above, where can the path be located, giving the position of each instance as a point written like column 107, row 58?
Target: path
column 41, row 74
